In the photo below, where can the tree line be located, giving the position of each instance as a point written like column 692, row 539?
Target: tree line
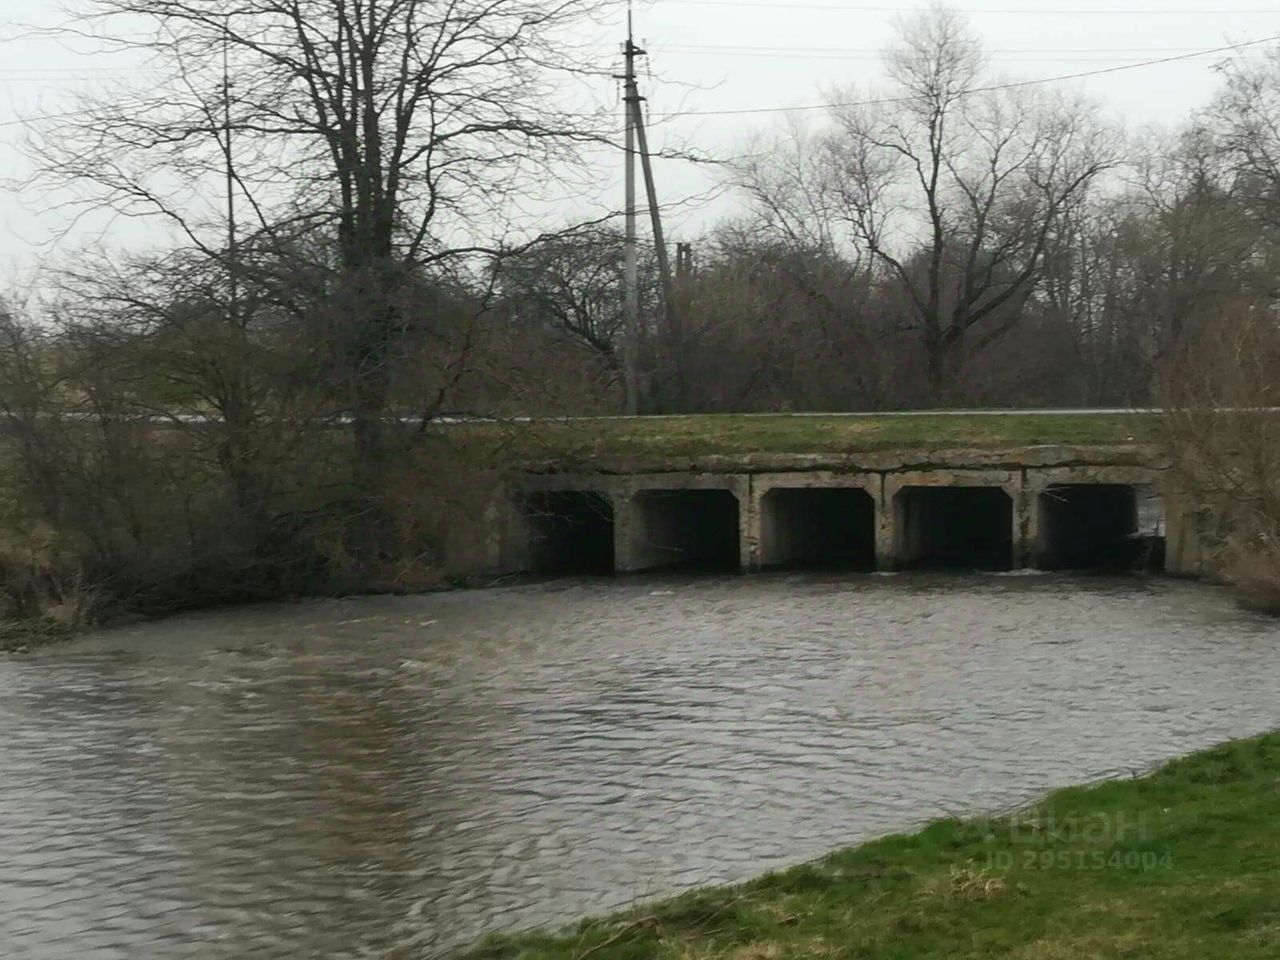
column 355, row 241
column 937, row 246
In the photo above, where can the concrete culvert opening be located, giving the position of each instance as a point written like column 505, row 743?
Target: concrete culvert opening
column 570, row 531
column 818, row 528
column 1094, row 527
column 967, row 528
column 694, row 529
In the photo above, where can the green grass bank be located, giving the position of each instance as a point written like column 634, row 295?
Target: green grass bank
column 1181, row 863
column 710, row 434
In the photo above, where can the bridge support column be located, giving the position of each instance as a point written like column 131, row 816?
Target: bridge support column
column 886, row 528
column 1184, row 536
column 626, row 532
column 750, row 519
column 1025, row 524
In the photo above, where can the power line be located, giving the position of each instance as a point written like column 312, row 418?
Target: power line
column 879, row 51
column 67, row 77
column 68, row 115
column 1001, row 11
column 87, row 71
column 1122, row 61
column 1115, row 55
column 46, row 116
column 984, row 89
column 747, row 111
column 1029, row 57
column 57, row 73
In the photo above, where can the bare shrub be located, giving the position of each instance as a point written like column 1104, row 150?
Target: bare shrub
column 1222, row 427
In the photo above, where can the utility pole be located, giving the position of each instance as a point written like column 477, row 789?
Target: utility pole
column 684, row 262
column 232, row 265
column 631, row 294
column 675, row 329
column 635, row 135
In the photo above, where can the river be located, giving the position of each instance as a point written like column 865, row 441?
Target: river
column 393, row 777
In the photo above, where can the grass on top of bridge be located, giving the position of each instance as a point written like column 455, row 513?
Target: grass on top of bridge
column 1177, row 865
column 702, row 435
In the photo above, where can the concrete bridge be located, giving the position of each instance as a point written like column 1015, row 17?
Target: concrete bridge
column 1049, row 507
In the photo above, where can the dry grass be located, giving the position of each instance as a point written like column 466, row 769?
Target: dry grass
column 967, row 882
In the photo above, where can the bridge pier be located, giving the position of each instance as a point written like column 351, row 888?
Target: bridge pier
column 1185, row 535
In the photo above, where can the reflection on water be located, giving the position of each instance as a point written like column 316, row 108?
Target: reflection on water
column 393, row 777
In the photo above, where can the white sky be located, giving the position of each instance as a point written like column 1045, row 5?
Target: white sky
column 709, row 55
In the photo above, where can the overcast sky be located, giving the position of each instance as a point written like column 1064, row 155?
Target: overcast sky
column 720, row 55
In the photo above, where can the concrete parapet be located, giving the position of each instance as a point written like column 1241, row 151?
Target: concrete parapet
column 868, row 461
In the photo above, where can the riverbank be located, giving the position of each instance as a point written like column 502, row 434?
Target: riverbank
column 1181, row 863
column 163, row 533
column 31, row 633
column 17, row 636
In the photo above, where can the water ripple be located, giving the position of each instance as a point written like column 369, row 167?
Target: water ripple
column 393, row 777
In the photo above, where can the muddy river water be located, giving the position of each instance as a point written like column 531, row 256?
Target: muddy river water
column 393, row 777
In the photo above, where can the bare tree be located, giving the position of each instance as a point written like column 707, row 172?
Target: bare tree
column 779, row 324
column 401, row 134
column 784, row 177
column 1244, row 122
column 955, row 188
column 573, row 285
column 89, row 491
column 244, row 382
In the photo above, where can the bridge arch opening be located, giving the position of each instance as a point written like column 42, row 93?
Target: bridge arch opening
column 966, row 528
column 570, row 532
column 694, row 529
column 1099, row 526
column 823, row 527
